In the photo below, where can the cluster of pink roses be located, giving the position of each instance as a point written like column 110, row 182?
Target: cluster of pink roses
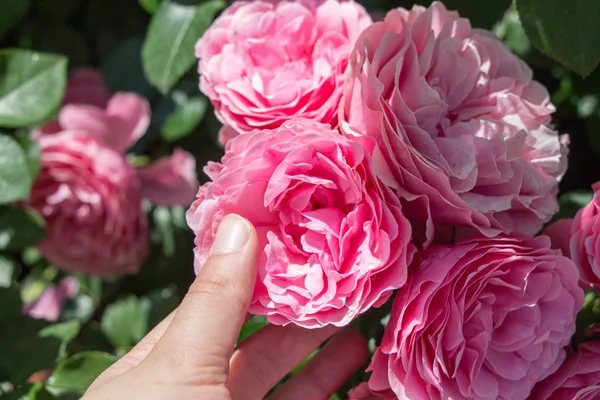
column 411, row 155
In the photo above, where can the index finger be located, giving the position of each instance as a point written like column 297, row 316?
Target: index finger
column 207, row 323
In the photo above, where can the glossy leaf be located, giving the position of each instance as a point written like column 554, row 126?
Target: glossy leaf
column 65, row 332
column 168, row 50
column 20, row 228
column 32, row 85
column 77, row 373
column 24, row 351
column 8, row 271
column 566, row 31
column 187, row 114
column 29, row 392
column 125, row 322
column 15, row 176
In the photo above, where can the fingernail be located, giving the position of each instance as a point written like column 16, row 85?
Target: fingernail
column 232, row 235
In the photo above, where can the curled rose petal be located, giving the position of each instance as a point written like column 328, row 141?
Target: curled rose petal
column 334, row 241
column 170, row 180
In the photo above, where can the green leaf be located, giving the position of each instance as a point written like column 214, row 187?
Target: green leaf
column 162, row 303
column 20, row 228
column 65, row 332
column 32, row 86
column 13, row 11
column 253, row 325
column 32, row 153
column 188, row 112
column 15, row 176
column 81, row 308
column 125, row 322
column 482, row 14
column 23, row 351
column 29, row 392
column 149, row 6
column 566, row 31
column 511, row 32
column 8, row 271
column 77, row 373
column 168, row 50
column 572, row 202
column 164, row 231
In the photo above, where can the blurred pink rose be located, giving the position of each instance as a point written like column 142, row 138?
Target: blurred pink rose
column 90, row 198
column 265, row 62
column 52, row 300
column 585, row 241
column 461, row 128
column 362, row 392
column 334, row 239
column 88, row 192
column 577, row 379
column 482, row 319
column 86, row 86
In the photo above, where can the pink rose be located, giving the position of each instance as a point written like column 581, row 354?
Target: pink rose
column 90, row 198
column 577, row 379
column 461, row 128
column 334, row 240
column 362, row 392
column 482, row 319
column 88, row 192
column 559, row 233
column 265, row 62
column 52, row 300
column 585, row 241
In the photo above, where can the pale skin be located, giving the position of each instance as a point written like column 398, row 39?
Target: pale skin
column 192, row 353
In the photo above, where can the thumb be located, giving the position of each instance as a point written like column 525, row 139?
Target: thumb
column 205, row 328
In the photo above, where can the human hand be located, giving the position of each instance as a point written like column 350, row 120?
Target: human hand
column 192, row 354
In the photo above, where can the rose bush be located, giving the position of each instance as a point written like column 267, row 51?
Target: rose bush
column 89, row 194
column 264, row 62
column 483, row 319
column 462, row 131
column 333, row 239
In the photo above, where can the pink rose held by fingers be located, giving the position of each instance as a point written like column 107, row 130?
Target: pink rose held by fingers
column 334, row 240
column 585, row 241
column 265, row 62
column 482, row 319
column 461, row 128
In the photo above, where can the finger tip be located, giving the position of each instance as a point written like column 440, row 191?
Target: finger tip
column 356, row 341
